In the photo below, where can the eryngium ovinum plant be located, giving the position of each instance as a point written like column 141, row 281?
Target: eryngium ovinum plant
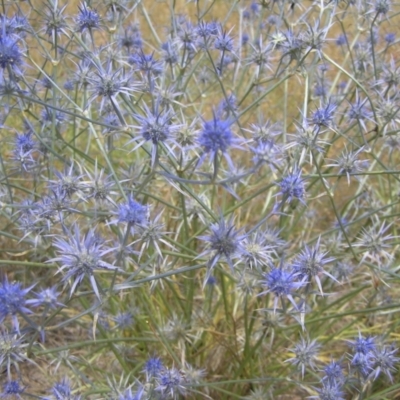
column 199, row 199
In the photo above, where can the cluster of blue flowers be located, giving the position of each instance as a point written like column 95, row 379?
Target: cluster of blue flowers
column 210, row 188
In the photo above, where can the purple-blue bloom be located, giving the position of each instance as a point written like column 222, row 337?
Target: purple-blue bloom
column 87, row 18
column 82, row 256
column 323, row 115
column 157, row 128
column 224, row 242
column 281, row 283
column 10, row 53
column 363, row 345
column 292, row 187
column 48, row 298
column 390, row 37
column 13, row 301
column 306, row 352
column 133, row 212
column 384, row 361
column 12, row 389
column 310, row 264
column 153, row 367
column 216, row 136
column 171, row 383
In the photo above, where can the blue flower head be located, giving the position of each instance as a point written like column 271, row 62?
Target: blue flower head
column 153, row 367
column 155, row 127
column 282, row 284
column 10, row 53
column 132, row 212
column 87, row 19
column 216, row 136
column 224, row 242
column 292, row 187
column 82, row 256
column 13, row 301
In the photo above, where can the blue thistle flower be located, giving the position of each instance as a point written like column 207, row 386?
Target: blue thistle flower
column 384, row 360
column 131, row 38
column 24, row 143
column 156, row 127
column 133, row 212
column 329, row 392
column 10, row 53
column 310, row 264
column 169, row 53
column 55, row 22
column 62, row 390
column 341, row 40
column 206, row 30
column 323, row 116
column 12, row 389
column 153, row 368
column 223, row 42
column 358, row 111
column 363, row 363
column 363, row 345
column 87, row 19
column 390, row 37
column 306, row 352
column 171, row 383
column 224, row 242
column 292, row 187
column 12, row 351
column 123, row 320
column 333, row 374
column 216, row 136
column 381, row 6
column 146, row 63
column 13, row 301
column 281, row 283
column 48, row 298
column 81, row 257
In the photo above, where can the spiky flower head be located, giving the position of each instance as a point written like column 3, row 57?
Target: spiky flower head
column 153, row 367
column 12, row 389
column 171, row 383
column 82, row 256
column 224, row 242
column 281, row 283
column 132, row 212
column 306, row 352
column 384, row 360
column 156, row 127
column 13, row 301
column 292, row 187
column 310, row 264
column 217, row 137
column 10, row 53
column 87, row 19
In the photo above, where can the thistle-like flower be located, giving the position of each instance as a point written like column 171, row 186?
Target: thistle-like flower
column 281, row 283
column 224, row 242
column 306, row 352
column 133, row 213
column 171, row 383
column 87, row 19
column 82, row 256
column 216, row 137
column 157, row 128
column 292, row 187
column 13, row 301
column 310, row 264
